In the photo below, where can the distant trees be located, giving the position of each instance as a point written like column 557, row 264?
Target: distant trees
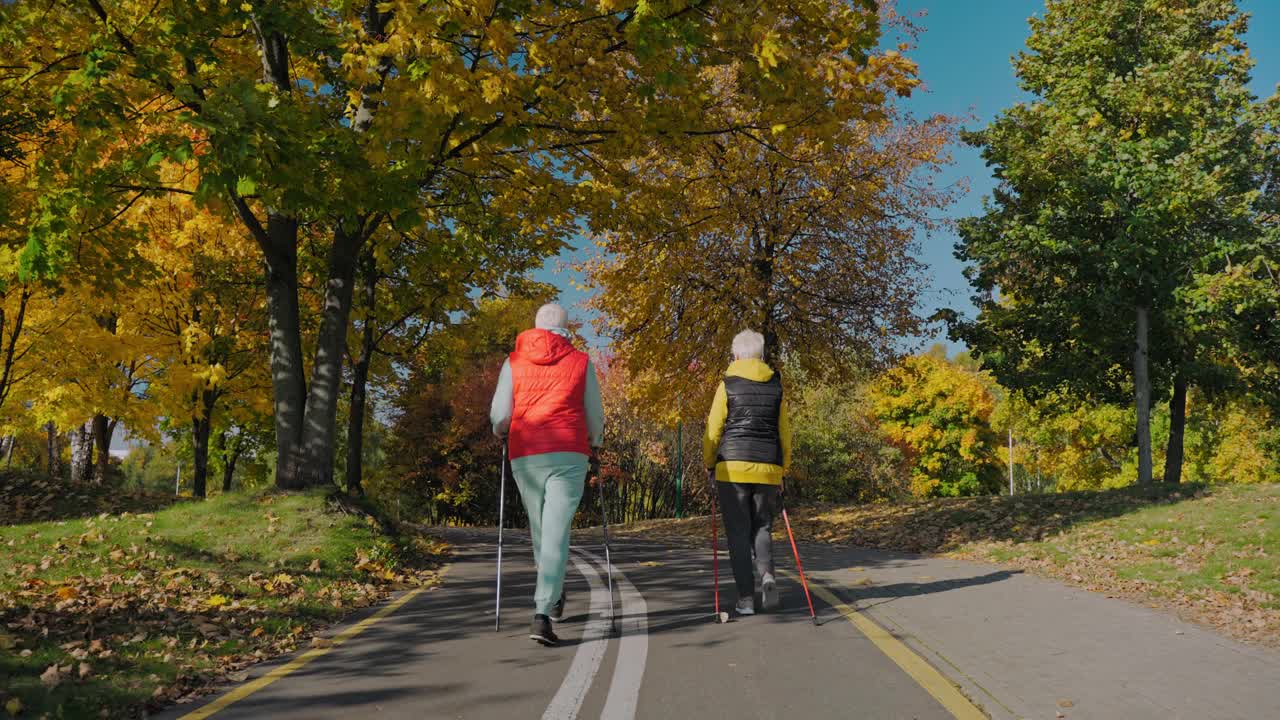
column 1131, row 177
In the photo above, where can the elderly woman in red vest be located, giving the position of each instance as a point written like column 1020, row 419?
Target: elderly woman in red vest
column 547, row 406
column 746, row 450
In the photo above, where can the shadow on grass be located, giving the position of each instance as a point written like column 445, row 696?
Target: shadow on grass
column 932, row 526
column 944, row 525
column 27, row 497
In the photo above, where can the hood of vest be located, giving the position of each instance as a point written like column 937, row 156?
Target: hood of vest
column 542, row 347
column 753, row 369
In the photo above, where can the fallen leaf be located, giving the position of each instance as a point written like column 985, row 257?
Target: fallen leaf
column 651, row 563
column 216, row 601
column 238, row 676
column 320, row 642
column 1065, row 704
column 51, row 677
column 13, row 707
column 67, row 592
column 314, row 566
column 84, row 670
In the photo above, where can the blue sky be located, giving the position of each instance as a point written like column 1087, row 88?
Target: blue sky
column 964, row 56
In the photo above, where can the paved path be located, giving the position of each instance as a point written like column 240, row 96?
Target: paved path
column 1015, row 645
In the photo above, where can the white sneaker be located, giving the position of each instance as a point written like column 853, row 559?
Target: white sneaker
column 746, row 606
column 769, row 593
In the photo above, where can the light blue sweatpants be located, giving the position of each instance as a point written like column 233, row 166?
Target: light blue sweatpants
column 551, row 486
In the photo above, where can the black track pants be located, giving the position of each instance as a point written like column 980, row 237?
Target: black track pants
column 747, row 509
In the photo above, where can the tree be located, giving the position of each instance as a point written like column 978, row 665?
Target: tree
column 410, row 287
column 804, row 233
column 205, row 321
column 1132, row 163
column 942, row 412
column 1068, row 442
column 444, row 453
column 335, row 120
column 840, row 451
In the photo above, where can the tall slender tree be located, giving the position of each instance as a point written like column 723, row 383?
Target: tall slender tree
column 1131, row 164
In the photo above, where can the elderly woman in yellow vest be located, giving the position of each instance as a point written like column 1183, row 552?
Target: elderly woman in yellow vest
column 746, row 450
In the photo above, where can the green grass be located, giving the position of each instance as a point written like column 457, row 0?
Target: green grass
column 1213, row 557
column 156, row 605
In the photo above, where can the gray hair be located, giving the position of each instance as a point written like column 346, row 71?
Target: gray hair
column 551, row 317
column 748, row 345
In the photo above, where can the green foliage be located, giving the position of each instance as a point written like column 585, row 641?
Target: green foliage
column 839, row 452
column 151, row 467
column 1131, row 169
column 443, row 456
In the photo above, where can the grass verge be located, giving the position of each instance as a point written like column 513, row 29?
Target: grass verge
column 117, row 614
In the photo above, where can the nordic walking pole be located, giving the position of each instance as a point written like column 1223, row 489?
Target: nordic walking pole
column 715, row 554
column 608, row 561
column 502, row 511
column 721, row 617
column 804, row 583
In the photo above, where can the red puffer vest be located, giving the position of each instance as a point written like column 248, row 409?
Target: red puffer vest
column 548, row 382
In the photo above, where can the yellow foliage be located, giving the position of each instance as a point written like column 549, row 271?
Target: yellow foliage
column 1240, row 458
column 942, row 412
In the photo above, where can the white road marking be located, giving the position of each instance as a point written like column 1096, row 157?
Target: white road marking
column 586, row 661
column 628, row 673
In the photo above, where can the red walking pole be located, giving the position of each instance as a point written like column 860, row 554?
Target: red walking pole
column 796, row 552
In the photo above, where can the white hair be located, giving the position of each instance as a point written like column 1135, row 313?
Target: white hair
column 551, row 317
column 748, row 345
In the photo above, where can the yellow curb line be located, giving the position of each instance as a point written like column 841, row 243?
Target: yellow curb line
column 925, row 675
column 293, row 665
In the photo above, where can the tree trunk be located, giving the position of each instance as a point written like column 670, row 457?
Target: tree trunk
column 10, row 442
column 103, row 429
column 288, row 381
column 55, row 450
column 82, row 453
column 359, row 383
column 229, row 459
column 1177, row 426
column 1142, row 396
column 321, row 417
column 201, row 426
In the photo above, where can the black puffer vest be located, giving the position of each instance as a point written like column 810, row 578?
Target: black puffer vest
column 751, row 428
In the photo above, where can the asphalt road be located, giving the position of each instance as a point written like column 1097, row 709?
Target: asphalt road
column 437, row 655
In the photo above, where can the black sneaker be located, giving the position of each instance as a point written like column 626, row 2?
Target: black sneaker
column 541, row 631
column 557, row 610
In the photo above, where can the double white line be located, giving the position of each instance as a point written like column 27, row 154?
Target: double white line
column 633, row 650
